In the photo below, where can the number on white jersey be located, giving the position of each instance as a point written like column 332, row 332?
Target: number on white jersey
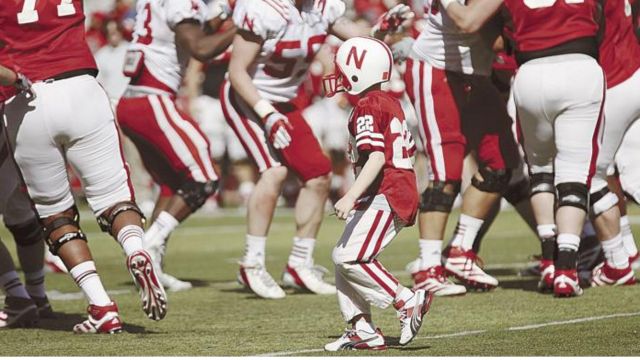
column 29, row 14
column 537, row 4
column 401, row 144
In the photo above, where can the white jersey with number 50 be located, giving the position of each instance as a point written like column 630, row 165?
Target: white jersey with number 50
column 444, row 46
column 291, row 40
column 154, row 36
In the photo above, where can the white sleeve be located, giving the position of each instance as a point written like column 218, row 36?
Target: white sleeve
column 264, row 18
column 178, row 11
column 333, row 9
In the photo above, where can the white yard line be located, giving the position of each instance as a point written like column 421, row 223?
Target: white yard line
column 477, row 332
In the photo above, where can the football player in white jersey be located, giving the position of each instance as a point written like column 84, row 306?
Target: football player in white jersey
column 173, row 148
column 459, row 111
column 272, row 50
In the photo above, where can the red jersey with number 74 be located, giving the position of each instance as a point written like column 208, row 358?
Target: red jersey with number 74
column 45, row 38
column 543, row 24
column 377, row 123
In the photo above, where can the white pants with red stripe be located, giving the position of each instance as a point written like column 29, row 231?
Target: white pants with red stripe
column 559, row 106
column 70, row 122
column 361, row 280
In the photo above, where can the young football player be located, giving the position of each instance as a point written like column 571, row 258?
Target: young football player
column 382, row 200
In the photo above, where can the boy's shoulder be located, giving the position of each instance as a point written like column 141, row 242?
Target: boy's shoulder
column 380, row 103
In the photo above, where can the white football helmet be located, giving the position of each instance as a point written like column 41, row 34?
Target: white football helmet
column 360, row 63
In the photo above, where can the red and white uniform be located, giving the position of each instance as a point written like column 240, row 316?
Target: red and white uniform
column 291, row 40
column 558, row 95
column 71, row 119
column 458, row 107
column 620, row 60
column 170, row 142
column 377, row 123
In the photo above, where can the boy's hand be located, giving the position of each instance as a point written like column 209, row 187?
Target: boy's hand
column 344, row 206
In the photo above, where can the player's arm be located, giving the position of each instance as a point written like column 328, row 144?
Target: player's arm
column 201, row 46
column 246, row 47
column 7, row 76
column 367, row 176
column 470, row 18
column 390, row 22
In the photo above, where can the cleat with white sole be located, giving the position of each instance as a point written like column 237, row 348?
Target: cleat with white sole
column 566, row 283
column 307, row 278
column 433, row 280
column 18, row 313
column 353, row 339
column 605, row 275
column 152, row 294
column 466, row 267
column 547, row 274
column 101, row 320
column 256, row 278
column 411, row 315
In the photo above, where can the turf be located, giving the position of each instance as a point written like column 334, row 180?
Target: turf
column 219, row 318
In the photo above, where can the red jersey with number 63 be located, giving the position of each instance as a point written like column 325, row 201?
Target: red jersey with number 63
column 377, row 123
column 543, row 24
column 45, row 37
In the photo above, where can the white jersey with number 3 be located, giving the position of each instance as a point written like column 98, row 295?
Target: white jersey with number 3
column 154, row 36
column 291, row 40
column 444, row 46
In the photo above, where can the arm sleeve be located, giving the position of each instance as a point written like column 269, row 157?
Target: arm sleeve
column 369, row 130
column 260, row 17
column 333, row 9
column 178, row 11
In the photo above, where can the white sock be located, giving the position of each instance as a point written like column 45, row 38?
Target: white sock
column 85, row 275
column 159, row 231
column 403, row 294
column 430, row 253
column 35, row 283
column 130, row 238
column 615, row 253
column 546, row 231
column 254, row 251
column 466, row 232
column 363, row 325
column 12, row 285
column 627, row 236
column 568, row 242
column 302, row 251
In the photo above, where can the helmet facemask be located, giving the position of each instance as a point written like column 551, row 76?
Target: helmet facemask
column 336, row 82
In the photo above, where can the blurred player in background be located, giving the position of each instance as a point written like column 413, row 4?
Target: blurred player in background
column 65, row 118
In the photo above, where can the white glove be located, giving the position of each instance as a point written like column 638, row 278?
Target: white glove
column 219, row 9
column 277, row 126
column 402, row 49
column 392, row 20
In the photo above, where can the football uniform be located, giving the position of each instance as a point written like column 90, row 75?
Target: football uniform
column 458, row 107
column 70, row 120
column 559, row 87
column 620, row 60
column 291, row 40
column 170, row 142
column 377, row 123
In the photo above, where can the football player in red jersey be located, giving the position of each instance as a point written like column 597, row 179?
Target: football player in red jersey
column 382, row 200
column 272, row 51
column 559, row 95
column 70, row 121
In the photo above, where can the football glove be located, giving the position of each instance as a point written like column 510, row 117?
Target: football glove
column 392, row 20
column 23, row 84
column 402, row 49
column 278, row 127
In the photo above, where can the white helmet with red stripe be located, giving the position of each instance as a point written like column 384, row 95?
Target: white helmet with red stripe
column 360, row 63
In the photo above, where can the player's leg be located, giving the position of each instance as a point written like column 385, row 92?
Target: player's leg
column 177, row 154
column 305, row 158
column 366, row 235
column 92, row 151
column 44, row 172
column 19, row 309
column 440, row 132
column 262, row 201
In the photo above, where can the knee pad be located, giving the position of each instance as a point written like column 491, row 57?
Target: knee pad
column 542, row 183
column 517, row 192
column 435, row 199
column 26, row 234
column 573, row 194
column 602, row 200
column 109, row 216
column 195, row 194
column 72, row 219
column 493, row 181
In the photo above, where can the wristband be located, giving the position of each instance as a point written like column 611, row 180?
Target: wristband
column 263, row 108
column 446, row 3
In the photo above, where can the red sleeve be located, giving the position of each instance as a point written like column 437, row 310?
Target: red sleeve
column 369, row 130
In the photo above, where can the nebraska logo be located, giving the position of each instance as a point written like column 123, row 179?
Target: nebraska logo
column 247, row 23
column 353, row 53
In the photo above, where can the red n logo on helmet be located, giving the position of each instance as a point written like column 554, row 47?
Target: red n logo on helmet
column 353, row 53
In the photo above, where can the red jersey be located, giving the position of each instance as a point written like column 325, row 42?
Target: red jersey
column 45, row 37
column 543, row 24
column 619, row 50
column 377, row 123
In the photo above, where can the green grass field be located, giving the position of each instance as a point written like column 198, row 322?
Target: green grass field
column 218, row 318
